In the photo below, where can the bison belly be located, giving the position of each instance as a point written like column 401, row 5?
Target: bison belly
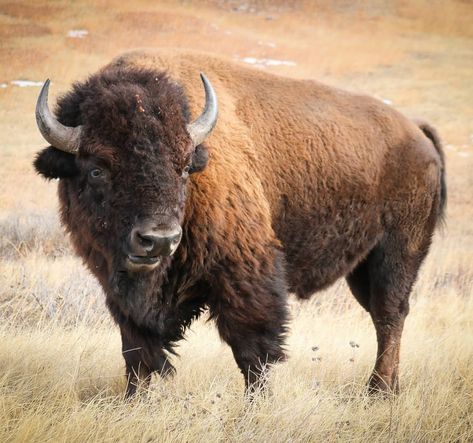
column 326, row 242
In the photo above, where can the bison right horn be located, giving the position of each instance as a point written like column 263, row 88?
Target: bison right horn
column 202, row 126
column 61, row 137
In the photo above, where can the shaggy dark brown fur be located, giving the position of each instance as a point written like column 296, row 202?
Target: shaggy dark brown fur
column 305, row 184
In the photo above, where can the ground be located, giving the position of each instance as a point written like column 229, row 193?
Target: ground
column 61, row 370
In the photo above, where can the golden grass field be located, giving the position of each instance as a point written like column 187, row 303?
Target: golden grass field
column 61, row 370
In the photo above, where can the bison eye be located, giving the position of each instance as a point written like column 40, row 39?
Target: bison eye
column 185, row 171
column 95, row 173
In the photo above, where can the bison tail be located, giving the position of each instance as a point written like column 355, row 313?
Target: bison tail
column 431, row 133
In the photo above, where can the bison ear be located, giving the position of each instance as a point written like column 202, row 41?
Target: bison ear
column 200, row 158
column 53, row 163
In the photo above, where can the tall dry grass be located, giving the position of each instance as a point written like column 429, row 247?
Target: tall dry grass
column 61, row 371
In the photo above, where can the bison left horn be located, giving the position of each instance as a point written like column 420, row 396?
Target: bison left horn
column 201, row 127
column 61, row 137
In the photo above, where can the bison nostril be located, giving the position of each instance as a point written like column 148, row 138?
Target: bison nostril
column 174, row 240
column 146, row 241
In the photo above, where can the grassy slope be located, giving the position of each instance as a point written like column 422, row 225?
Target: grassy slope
column 60, row 363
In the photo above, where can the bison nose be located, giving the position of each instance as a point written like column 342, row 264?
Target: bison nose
column 154, row 242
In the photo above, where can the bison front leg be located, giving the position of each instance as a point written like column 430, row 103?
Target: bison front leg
column 143, row 355
column 254, row 351
column 251, row 315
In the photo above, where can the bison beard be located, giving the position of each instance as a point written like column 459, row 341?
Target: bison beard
column 305, row 184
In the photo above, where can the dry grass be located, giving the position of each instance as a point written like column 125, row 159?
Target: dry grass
column 61, row 371
column 62, row 376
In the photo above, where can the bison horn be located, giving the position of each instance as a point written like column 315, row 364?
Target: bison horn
column 201, row 127
column 61, row 137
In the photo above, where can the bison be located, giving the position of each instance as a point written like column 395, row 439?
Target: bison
column 298, row 185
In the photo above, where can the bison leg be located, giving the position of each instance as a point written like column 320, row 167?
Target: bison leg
column 251, row 315
column 382, row 284
column 143, row 355
column 394, row 266
column 254, row 350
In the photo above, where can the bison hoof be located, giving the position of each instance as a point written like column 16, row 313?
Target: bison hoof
column 384, row 386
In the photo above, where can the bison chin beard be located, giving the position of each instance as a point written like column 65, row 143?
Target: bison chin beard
column 139, row 283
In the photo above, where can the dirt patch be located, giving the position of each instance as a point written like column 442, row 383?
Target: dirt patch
column 19, row 30
column 156, row 22
column 30, row 10
column 18, row 62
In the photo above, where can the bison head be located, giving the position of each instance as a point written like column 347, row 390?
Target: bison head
column 123, row 148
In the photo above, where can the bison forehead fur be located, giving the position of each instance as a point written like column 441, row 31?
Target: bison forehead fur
column 304, row 184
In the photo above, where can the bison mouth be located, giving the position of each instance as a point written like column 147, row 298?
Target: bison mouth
column 138, row 262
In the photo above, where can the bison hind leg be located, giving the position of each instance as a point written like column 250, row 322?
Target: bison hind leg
column 382, row 284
